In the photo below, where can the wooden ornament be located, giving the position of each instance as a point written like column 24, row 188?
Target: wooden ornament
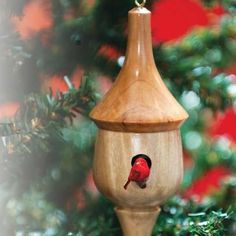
column 138, row 116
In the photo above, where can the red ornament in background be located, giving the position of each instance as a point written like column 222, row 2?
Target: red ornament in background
column 109, row 51
column 58, row 84
column 207, row 184
column 9, row 109
column 172, row 19
column 36, row 17
column 218, row 10
column 225, row 125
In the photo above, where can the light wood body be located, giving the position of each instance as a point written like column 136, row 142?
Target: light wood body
column 137, row 208
column 112, row 164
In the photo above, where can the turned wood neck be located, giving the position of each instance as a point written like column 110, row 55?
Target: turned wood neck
column 137, row 223
column 139, row 48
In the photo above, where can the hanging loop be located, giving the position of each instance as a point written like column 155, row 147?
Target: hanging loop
column 140, row 4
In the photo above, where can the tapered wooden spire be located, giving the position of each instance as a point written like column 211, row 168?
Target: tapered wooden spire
column 139, row 100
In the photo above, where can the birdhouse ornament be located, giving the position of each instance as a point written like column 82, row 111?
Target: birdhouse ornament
column 138, row 153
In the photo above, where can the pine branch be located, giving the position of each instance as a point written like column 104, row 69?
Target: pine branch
column 188, row 218
column 36, row 138
column 39, row 113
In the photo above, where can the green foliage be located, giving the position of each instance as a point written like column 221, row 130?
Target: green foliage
column 37, row 152
column 196, row 59
column 187, row 218
column 46, row 150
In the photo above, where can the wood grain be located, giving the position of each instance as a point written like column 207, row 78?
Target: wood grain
column 137, row 208
column 139, row 100
column 137, row 222
column 112, row 164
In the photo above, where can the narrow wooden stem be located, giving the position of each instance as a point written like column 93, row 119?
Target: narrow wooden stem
column 137, row 222
column 139, row 48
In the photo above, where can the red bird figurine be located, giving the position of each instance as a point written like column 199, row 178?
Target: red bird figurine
column 139, row 173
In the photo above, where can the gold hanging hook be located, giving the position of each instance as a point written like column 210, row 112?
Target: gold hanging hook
column 140, row 4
